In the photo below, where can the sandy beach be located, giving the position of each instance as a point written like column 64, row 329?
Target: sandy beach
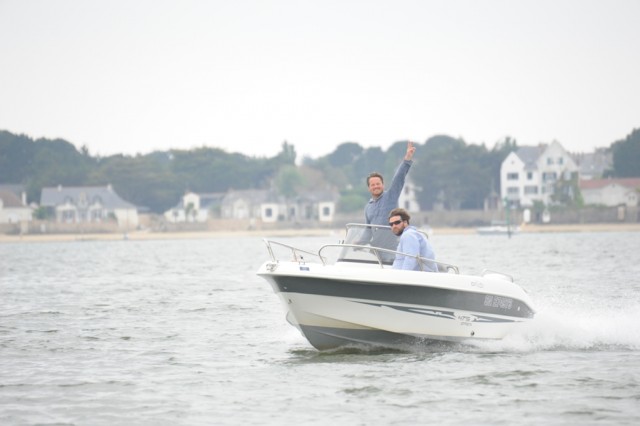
column 147, row 235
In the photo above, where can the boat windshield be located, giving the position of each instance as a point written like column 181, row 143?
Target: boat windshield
column 379, row 236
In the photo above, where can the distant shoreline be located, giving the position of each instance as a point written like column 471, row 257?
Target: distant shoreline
column 274, row 233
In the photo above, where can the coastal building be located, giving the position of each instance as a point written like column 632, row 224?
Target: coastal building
column 254, row 205
column 195, row 207
column 531, row 173
column 611, row 192
column 269, row 207
column 408, row 199
column 13, row 204
column 85, row 204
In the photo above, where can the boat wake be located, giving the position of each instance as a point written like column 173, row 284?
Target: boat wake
column 579, row 330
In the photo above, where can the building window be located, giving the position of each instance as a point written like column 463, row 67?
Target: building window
column 268, row 212
column 560, row 160
column 512, row 176
column 326, row 211
column 549, row 177
column 549, row 161
column 529, row 175
column 513, row 190
column 529, row 190
column 68, row 216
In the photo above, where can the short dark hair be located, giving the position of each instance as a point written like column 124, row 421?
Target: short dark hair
column 400, row 212
column 374, row 174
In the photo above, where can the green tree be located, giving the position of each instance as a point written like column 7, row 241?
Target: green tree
column 140, row 180
column 288, row 180
column 455, row 175
column 626, row 156
column 566, row 191
column 345, row 154
column 42, row 162
column 352, row 200
column 370, row 160
column 287, row 154
column 437, row 172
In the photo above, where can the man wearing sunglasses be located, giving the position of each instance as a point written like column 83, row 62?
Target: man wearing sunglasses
column 412, row 242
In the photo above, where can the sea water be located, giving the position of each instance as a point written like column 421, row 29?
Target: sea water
column 182, row 332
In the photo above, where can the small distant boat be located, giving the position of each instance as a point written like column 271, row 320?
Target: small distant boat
column 498, row 227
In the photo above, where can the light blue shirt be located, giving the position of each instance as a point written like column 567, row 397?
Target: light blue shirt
column 376, row 212
column 414, row 243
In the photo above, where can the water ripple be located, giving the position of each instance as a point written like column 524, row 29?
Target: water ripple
column 184, row 332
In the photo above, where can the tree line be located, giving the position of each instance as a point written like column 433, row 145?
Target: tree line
column 447, row 170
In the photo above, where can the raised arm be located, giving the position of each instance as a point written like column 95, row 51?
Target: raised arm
column 410, row 151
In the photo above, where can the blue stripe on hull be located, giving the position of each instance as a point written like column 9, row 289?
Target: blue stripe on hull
column 448, row 299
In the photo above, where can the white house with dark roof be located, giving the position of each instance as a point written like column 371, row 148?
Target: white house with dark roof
column 195, row 207
column 611, row 192
column 254, row 204
column 530, row 173
column 88, row 204
column 13, row 204
column 248, row 204
column 314, row 206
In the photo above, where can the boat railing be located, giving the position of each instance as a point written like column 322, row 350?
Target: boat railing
column 381, row 259
column 380, row 255
column 295, row 252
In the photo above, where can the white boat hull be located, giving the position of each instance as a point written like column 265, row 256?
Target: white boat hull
column 334, row 306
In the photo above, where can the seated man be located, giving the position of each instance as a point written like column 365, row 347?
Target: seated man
column 412, row 243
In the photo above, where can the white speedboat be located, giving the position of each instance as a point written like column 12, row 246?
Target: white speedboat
column 347, row 294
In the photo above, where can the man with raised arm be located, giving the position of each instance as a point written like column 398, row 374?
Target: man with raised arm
column 376, row 212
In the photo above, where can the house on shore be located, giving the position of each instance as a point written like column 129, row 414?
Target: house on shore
column 611, row 192
column 254, row 205
column 195, row 207
column 408, row 199
column 531, row 173
column 88, row 204
column 269, row 207
column 13, row 204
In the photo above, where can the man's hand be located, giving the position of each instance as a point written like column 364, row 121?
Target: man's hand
column 410, row 151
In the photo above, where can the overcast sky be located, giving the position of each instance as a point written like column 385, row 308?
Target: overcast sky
column 131, row 76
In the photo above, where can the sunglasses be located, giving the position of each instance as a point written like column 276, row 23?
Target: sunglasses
column 397, row 222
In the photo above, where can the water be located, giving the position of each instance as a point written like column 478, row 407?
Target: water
column 184, row 333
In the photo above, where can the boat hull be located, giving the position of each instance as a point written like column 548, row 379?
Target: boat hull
column 335, row 307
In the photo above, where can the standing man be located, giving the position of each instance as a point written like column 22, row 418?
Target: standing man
column 412, row 242
column 382, row 202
